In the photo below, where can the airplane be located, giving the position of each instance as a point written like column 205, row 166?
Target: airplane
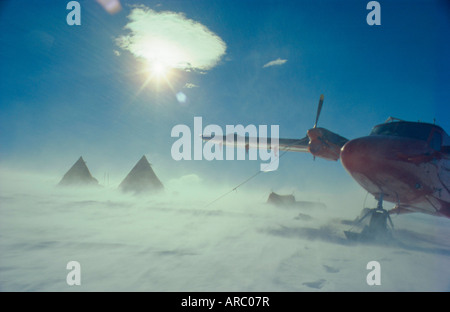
column 401, row 162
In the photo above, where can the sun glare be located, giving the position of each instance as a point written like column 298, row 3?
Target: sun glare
column 163, row 59
column 158, row 74
column 158, row 69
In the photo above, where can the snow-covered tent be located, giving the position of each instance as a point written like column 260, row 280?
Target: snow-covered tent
column 141, row 179
column 78, row 174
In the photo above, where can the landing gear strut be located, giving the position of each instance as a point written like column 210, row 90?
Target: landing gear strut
column 377, row 229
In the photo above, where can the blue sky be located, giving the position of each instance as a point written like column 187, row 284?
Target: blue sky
column 67, row 91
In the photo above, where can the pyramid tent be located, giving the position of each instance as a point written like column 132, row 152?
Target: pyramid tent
column 79, row 174
column 141, row 179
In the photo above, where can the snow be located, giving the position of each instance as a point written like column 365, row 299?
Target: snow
column 175, row 242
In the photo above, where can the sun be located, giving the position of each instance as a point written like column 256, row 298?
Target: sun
column 158, row 69
column 161, row 64
column 158, row 73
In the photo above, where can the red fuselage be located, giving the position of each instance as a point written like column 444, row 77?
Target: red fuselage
column 412, row 172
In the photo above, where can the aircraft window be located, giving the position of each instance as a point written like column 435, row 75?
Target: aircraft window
column 404, row 129
column 436, row 141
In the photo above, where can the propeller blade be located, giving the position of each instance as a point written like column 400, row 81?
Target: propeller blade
column 319, row 109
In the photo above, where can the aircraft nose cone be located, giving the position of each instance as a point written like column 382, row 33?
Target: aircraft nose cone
column 358, row 155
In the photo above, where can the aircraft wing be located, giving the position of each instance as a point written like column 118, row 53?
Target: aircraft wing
column 319, row 141
column 293, row 145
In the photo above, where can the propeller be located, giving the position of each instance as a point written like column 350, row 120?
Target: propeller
column 323, row 142
column 319, row 109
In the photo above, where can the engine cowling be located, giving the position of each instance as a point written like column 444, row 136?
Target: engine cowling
column 325, row 144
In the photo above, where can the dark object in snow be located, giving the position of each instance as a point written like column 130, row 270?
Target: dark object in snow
column 281, row 200
column 290, row 202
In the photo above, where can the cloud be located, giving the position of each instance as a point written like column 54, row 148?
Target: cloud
column 276, row 62
column 189, row 85
column 172, row 39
